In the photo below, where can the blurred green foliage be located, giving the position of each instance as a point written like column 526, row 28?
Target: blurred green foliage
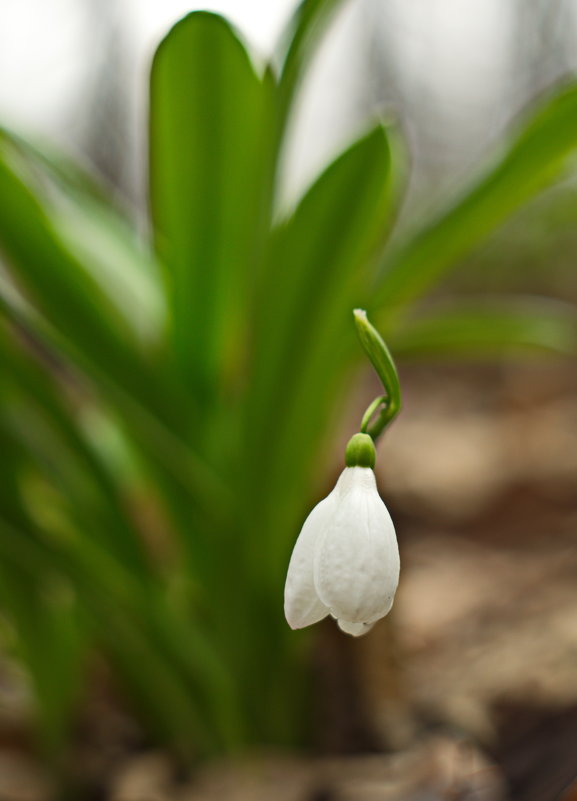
column 166, row 408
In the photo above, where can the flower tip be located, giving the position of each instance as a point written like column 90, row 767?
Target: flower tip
column 303, row 620
column 293, row 618
column 295, row 621
column 354, row 629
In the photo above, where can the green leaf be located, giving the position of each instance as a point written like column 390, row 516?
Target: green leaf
column 67, row 296
column 97, row 233
column 51, row 641
column 535, row 158
column 468, row 328
column 320, row 261
column 38, row 413
column 210, row 184
column 59, row 166
column 48, row 270
column 184, row 480
column 299, row 42
column 120, row 265
column 49, row 636
column 117, row 610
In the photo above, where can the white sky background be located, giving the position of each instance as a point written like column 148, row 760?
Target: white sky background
column 452, row 57
column 260, row 20
column 43, row 43
column 47, row 59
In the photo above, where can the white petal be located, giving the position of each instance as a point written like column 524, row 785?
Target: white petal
column 356, row 568
column 302, row 605
column 356, row 629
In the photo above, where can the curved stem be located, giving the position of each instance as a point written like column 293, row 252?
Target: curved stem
column 380, row 401
column 384, row 365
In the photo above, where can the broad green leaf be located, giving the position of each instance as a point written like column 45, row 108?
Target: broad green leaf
column 68, row 297
column 117, row 611
column 180, row 653
column 41, row 417
column 210, row 186
column 535, row 158
column 76, row 322
column 50, row 641
column 122, row 268
column 467, row 328
column 183, row 479
column 97, row 231
column 152, row 642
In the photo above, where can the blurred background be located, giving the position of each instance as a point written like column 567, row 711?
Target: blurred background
column 453, row 73
column 477, row 696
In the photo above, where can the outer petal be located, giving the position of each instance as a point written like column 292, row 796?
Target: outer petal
column 356, row 629
column 302, row 605
column 356, row 568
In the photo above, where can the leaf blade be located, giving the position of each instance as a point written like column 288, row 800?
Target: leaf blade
column 210, row 186
column 536, row 157
column 488, row 328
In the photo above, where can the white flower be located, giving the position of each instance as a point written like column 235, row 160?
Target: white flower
column 346, row 560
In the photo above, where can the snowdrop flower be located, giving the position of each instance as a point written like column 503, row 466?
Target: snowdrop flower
column 346, row 560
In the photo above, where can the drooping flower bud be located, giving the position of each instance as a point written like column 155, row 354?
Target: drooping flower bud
column 346, row 560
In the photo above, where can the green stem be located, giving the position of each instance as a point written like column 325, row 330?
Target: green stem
column 384, row 365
